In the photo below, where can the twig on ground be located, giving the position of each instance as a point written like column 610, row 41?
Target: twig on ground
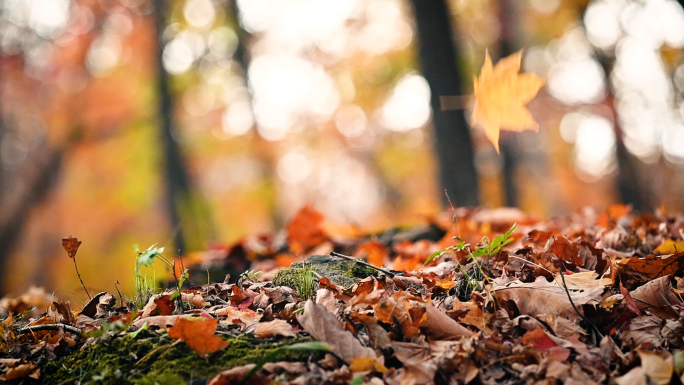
column 334, row 254
column 41, row 328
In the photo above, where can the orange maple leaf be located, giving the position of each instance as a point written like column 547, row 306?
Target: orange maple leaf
column 198, row 334
column 501, row 94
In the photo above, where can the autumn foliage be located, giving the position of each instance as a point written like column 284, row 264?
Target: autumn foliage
column 483, row 296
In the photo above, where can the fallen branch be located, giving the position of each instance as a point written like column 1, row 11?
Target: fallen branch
column 51, row 327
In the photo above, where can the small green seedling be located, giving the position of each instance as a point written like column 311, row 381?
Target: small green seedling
column 146, row 258
column 488, row 248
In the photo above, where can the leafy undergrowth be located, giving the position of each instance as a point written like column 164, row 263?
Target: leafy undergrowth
column 474, row 296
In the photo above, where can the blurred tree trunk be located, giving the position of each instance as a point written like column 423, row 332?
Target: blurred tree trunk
column 264, row 150
column 439, row 57
column 176, row 179
column 627, row 181
column 508, row 144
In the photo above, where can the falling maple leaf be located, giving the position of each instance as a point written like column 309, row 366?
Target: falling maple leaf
column 501, row 94
column 198, row 334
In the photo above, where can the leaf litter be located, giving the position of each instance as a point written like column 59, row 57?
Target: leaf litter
column 492, row 296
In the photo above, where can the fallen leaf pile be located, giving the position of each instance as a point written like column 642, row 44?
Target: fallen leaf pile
column 592, row 298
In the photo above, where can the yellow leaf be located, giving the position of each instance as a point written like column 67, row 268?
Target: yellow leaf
column 501, row 94
column 669, row 247
column 364, row 364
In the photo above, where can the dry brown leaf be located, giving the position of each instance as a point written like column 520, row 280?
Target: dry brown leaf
column 99, row 305
column 198, row 333
column 409, row 311
column 654, row 369
column 196, row 300
column 564, row 249
column 159, row 304
column 162, row 321
column 541, row 297
column 305, row 230
column 325, row 327
column 651, row 267
column 649, row 295
column 71, row 245
column 644, row 331
column 61, row 312
column 501, row 94
column 19, row 368
column 440, row 325
column 272, row 328
column 585, row 280
column 469, row 313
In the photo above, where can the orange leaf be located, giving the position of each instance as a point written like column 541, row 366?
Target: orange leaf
column 71, row 245
column 198, row 334
column 374, row 252
column 445, row 284
column 364, row 364
column 305, row 230
column 501, row 94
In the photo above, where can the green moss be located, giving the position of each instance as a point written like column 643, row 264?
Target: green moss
column 153, row 358
column 338, row 270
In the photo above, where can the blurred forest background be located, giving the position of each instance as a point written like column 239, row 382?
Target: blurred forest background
column 192, row 123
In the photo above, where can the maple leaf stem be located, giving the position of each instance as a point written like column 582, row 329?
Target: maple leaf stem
column 79, row 278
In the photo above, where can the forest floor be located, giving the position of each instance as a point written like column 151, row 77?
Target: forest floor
column 478, row 296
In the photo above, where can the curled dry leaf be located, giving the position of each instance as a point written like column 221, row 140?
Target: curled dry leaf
column 651, row 294
column 272, row 328
column 325, row 327
column 198, row 333
column 71, row 245
column 99, row 305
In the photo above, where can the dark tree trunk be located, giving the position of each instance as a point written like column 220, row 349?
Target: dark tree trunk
column 508, row 144
column 177, row 186
column 439, row 56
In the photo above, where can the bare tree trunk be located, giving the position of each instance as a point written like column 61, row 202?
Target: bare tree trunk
column 439, row 57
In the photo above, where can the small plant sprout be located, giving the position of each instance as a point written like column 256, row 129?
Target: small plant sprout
column 488, row 248
column 71, row 245
column 146, row 258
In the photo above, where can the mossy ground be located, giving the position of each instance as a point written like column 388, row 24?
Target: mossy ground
column 154, row 358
